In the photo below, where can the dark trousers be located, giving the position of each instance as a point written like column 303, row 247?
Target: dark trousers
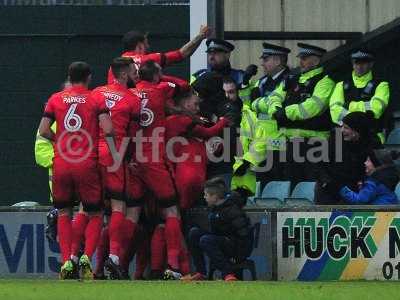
column 219, row 250
column 276, row 169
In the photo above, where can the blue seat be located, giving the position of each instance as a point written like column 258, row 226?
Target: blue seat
column 302, row 195
column 394, row 137
column 304, row 190
column 397, row 191
column 274, row 193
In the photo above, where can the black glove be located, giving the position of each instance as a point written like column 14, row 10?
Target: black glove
column 243, row 168
column 280, row 116
column 250, row 71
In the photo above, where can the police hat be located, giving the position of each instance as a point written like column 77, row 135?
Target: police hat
column 363, row 55
column 307, row 50
column 219, row 45
column 270, row 49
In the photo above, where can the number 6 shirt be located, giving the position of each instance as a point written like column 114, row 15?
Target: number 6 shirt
column 77, row 118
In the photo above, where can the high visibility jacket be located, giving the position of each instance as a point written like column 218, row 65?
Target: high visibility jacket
column 305, row 99
column 362, row 94
column 267, row 135
column 44, row 154
column 247, row 129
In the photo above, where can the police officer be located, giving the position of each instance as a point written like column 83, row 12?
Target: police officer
column 209, row 84
column 303, row 113
column 218, row 56
column 258, row 125
column 363, row 92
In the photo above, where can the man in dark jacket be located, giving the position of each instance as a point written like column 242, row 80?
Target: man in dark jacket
column 229, row 237
column 348, row 149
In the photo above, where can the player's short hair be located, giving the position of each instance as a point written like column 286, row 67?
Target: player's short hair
column 132, row 38
column 181, row 97
column 119, row 65
column 228, row 80
column 216, row 186
column 78, row 72
column 148, row 70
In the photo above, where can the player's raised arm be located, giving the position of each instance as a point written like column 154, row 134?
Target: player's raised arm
column 189, row 48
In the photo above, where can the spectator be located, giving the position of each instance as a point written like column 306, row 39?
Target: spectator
column 379, row 186
column 347, row 154
column 229, row 235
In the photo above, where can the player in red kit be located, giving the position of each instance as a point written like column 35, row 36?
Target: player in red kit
column 190, row 157
column 136, row 46
column 75, row 171
column 124, row 109
column 150, row 157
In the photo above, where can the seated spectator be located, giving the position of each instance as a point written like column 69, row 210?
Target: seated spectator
column 229, row 237
column 347, row 153
column 379, row 186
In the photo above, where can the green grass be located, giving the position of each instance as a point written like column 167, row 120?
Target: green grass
column 118, row 290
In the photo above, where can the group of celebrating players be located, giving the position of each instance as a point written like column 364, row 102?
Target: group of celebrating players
column 105, row 156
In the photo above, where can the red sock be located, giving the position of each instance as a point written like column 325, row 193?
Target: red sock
column 102, row 251
column 78, row 231
column 92, row 234
column 158, row 249
column 64, row 229
column 129, row 230
column 115, row 232
column 173, row 237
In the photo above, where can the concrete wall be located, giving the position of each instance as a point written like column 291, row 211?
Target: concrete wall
column 302, row 15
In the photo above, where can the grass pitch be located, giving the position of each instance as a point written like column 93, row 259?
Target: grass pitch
column 118, row 290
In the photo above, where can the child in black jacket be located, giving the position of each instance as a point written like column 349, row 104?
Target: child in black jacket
column 229, row 237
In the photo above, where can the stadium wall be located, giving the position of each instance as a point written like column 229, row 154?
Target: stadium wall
column 306, row 244
column 37, row 44
column 303, row 15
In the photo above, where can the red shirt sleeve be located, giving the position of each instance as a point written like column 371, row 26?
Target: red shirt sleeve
column 182, row 84
column 208, row 132
column 156, row 57
column 49, row 111
column 99, row 102
column 173, row 57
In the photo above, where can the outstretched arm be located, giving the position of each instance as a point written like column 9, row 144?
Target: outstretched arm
column 189, row 48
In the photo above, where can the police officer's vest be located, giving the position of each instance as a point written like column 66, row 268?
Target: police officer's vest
column 298, row 93
column 352, row 93
column 268, row 84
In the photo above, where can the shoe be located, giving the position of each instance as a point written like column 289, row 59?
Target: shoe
column 113, row 270
column 69, row 270
column 172, row 275
column 230, row 277
column 85, row 268
column 194, row 277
